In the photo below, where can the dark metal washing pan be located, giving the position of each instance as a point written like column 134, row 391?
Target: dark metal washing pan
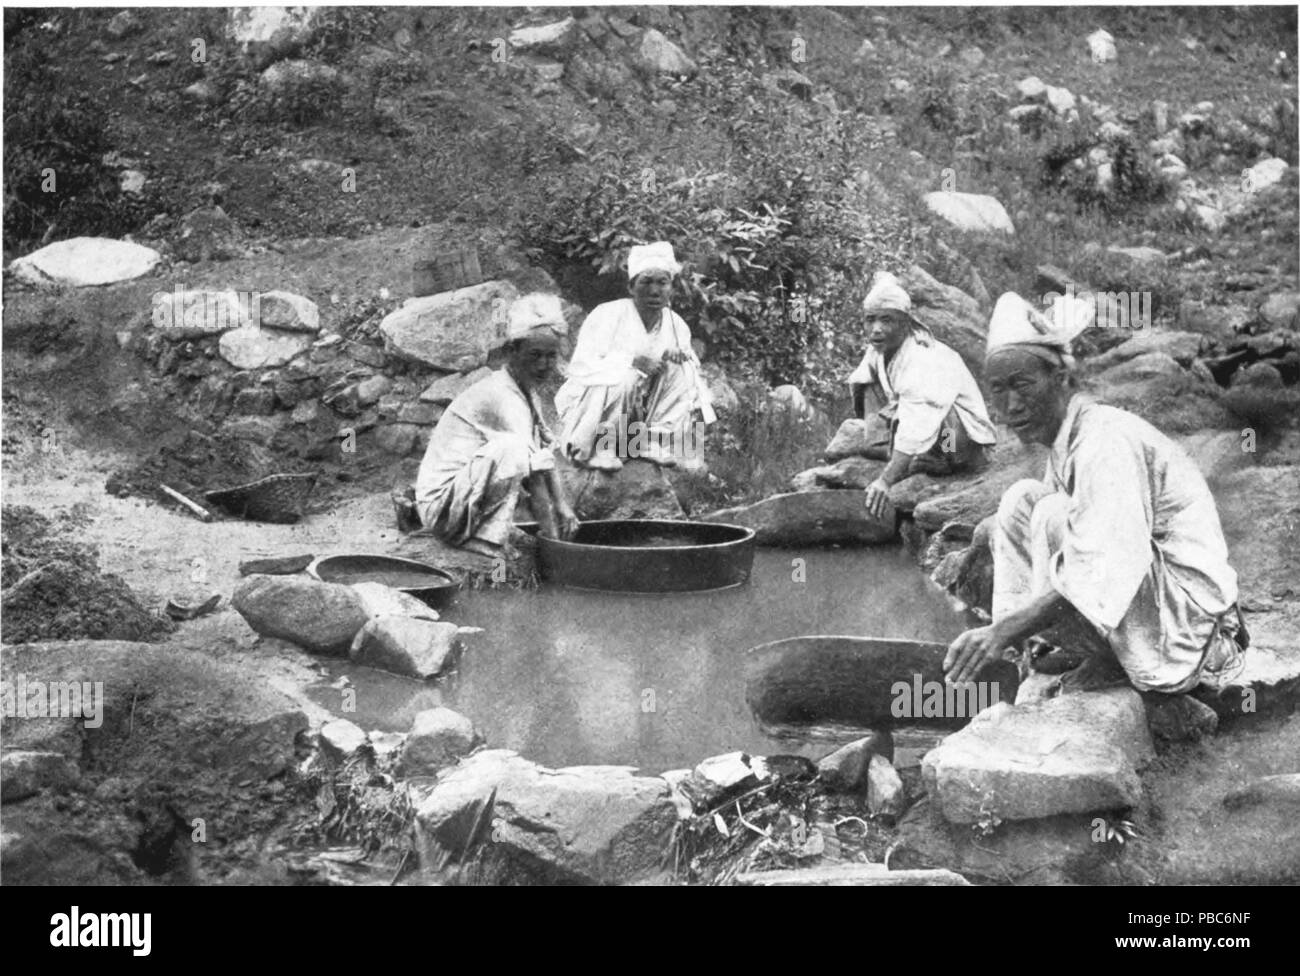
column 649, row 556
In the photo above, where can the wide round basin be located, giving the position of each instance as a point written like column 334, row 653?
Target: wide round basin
column 427, row 583
column 649, row 556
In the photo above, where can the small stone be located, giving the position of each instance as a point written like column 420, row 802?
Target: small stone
column 307, row 412
column 371, row 389
column 386, row 745
column 398, row 440
column 122, row 24
column 885, row 794
column 438, row 737
column 1101, row 45
column 1032, row 89
column 256, row 402
column 845, row 769
column 287, row 311
column 424, row 414
column 340, row 739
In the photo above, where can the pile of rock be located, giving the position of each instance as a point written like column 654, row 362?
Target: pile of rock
column 374, row 625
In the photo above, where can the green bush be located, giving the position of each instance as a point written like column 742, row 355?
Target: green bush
column 778, row 239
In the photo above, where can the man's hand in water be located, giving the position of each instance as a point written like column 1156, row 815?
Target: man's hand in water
column 971, row 651
column 877, row 498
column 566, row 522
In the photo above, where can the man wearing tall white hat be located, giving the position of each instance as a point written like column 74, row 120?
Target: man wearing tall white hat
column 926, row 413
column 1117, row 551
column 492, row 441
column 633, row 383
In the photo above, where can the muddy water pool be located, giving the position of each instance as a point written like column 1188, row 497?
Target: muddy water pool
column 569, row 677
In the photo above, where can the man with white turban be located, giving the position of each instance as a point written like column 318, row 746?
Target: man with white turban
column 927, row 413
column 633, row 382
column 492, row 440
column 1119, row 546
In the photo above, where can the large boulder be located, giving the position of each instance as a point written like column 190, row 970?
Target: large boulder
column 453, row 330
column 446, row 388
column 954, row 317
column 864, row 683
column 641, row 490
column 809, row 518
column 406, row 645
column 1182, row 347
column 582, row 824
column 971, row 212
column 321, row 617
column 849, row 440
column 1071, row 754
column 969, row 499
column 84, row 261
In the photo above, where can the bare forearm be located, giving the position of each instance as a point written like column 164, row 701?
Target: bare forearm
column 1040, row 613
column 896, row 470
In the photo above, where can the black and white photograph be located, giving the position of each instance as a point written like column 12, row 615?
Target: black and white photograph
column 609, row 445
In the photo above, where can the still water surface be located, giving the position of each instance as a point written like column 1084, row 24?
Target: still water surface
column 569, row 677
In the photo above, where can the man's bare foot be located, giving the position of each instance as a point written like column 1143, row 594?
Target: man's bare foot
column 1094, row 674
column 603, row 462
column 482, row 547
column 658, row 455
column 1179, row 718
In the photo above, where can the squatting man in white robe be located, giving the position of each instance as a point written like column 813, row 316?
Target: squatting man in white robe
column 633, row 382
column 926, row 412
column 1119, row 546
column 492, row 441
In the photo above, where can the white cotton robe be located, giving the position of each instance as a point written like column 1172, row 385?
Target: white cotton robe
column 1142, row 556
column 603, row 386
column 489, row 439
column 927, row 380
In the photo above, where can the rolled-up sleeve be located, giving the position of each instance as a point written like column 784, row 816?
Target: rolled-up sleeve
column 1107, row 548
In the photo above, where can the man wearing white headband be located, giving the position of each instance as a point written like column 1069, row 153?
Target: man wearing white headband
column 926, row 411
column 1117, row 551
column 634, row 380
column 491, row 441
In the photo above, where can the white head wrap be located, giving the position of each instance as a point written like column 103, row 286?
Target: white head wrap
column 887, row 295
column 533, row 312
column 651, row 257
column 1016, row 323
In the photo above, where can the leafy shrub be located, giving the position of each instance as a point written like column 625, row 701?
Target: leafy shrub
column 50, row 127
column 778, row 241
